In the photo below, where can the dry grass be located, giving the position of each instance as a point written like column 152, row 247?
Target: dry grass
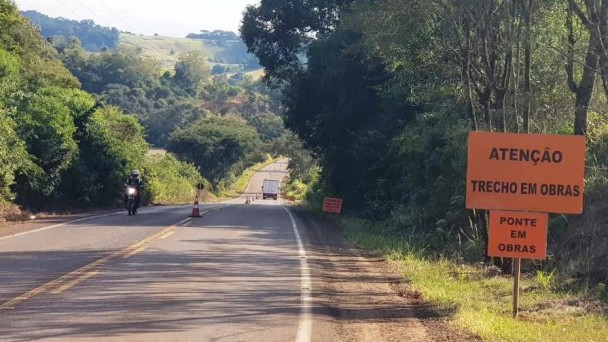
column 255, row 75
column 156, row 152
column 11, row 212
column 240, row 185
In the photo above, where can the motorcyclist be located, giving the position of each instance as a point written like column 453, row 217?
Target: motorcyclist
column 136, row 182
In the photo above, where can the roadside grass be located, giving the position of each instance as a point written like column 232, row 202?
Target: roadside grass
column 11, row 212
column 296, row 189
column 240, row 184
column 478, row 302
column 256, row 75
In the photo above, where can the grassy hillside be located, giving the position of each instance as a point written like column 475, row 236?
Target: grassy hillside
column 167, row 49
column 256, row 74
column 222, row 48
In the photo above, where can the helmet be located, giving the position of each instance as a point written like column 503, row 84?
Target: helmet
column 135, row 174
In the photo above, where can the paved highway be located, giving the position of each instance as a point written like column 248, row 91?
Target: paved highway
column 240, row 273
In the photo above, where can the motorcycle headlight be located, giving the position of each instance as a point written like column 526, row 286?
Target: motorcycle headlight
column 131, row 191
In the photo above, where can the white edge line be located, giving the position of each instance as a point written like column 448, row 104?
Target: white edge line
column 70, row 222
column 305, row 324
column 182, row 222
column 58, row 225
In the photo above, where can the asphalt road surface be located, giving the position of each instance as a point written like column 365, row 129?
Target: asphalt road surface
column 243, row 272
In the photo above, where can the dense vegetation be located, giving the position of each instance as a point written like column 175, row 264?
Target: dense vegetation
column 222, row 47
column 164, row 101
column 397, row 85
column 61, row 147
column 66, row 141
column 221, row 124
column 94, row 37
column 74, row 123
column 216, row 145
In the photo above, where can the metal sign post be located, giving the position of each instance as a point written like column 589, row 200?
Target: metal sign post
column 516, row 277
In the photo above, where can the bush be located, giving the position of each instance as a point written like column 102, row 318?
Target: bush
column 171, row 181
column 110, row 144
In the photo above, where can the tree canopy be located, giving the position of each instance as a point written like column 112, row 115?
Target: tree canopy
column 384, row 93
column 216, row 144
column 60, row 146
column 94, row 37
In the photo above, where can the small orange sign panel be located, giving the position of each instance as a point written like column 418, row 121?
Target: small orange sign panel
column 526, row 172
column 332, row 205
column 518, row 235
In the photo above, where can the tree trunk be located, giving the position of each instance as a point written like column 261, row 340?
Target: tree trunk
column 527, row 66
column 602, row 47
column 584, row 91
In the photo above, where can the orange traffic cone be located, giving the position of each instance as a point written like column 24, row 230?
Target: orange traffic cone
column 196, row 212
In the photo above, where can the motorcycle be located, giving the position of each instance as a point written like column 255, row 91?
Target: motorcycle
column 131, row 194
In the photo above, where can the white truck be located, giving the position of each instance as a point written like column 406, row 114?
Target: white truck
column 270, row 189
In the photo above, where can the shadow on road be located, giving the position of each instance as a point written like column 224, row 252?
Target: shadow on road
column 235, row 270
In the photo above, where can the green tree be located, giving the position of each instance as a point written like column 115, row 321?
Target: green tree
column 192, row 72
column 9, row 76
column 216, row 145
column 111, row 144
column 39, row 62
column 279, row 32
column 302, row 164
column 161, row 123
column 46, row 124
column 12, row 156
column 171, row 180
column 269, row 126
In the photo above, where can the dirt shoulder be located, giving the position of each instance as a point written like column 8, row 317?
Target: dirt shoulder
column 365, row 298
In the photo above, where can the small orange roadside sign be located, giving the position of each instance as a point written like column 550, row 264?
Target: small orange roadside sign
column 526, row 172
column 332, row 205
column 518, row 235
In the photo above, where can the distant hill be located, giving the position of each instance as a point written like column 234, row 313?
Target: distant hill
column 164, row 49
column 225, row 50
column 231, row 54
column 93, row 37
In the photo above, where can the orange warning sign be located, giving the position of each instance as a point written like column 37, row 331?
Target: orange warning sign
column 518, row 235
column 526, row 172
column 332, row 205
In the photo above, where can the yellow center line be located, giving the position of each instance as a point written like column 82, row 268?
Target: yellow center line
column 166, row 235
column 76, row 281
column 81, row 274
column 135, row 251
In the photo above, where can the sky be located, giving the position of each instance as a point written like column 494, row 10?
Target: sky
column 165, row 17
